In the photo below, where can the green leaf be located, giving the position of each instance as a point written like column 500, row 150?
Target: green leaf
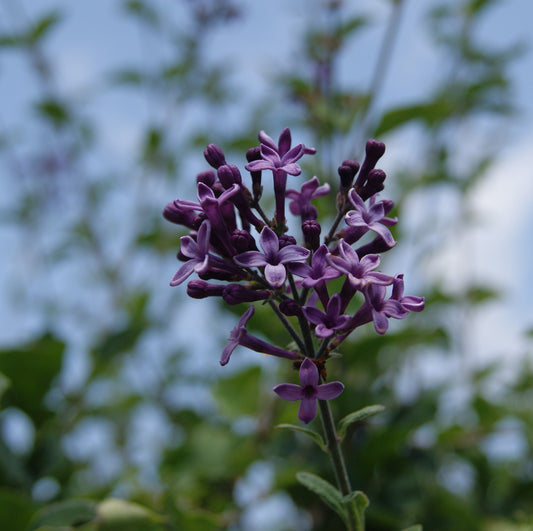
column 121, row 515
column 357, row 416
column 357, row 502
column 53, row 111
column 413, row 528
column 65, row 514
column 43, row 27
column 329, row 494
column 313, row 434
column 31, row 370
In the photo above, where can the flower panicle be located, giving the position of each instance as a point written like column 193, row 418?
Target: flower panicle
column 242, row 256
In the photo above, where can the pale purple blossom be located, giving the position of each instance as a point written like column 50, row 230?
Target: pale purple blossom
column 309, row 391
column 328, row 322
column 369, row 219
column 273, row 259
column 300, row 204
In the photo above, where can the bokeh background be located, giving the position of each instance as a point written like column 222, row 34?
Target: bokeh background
column 109, row 379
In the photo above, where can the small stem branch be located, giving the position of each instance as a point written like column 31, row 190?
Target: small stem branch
column 287, row 326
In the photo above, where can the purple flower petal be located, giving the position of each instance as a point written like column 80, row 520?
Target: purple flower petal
column 288, row 391
column 307, row 410
column 275, row 275
column 330, row 390
column 308, row 373
column 250, row 259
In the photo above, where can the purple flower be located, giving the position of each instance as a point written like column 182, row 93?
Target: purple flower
column 408, row 302
column 197, row 252
column 272, row 258
column 359, row 273
column 239, row 336
column 327, row 323
column 372, row 219
column 381, row 309
column 301, row 201
column 318, row 272
column 281, row 159
column 309, row 392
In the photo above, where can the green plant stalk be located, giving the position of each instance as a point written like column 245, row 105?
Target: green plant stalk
column 337, row 459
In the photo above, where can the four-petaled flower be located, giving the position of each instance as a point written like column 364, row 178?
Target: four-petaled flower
column 301, row 201
column 197, row 252
column 359, row 273
column 272, row 258
column 372, row 219
column 240, row 336
column 309, row 392
column 330, row 321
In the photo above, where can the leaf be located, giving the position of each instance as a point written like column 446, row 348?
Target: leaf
column 417, row 527
column 54, row 111
column 357, row 416
column 427, row 113
column 357, row 502
column 43, row 27
column 16, row 509
column 313, row 434
column 73, row 512
column 120, row 515
column 31, row 370
column 329, row 494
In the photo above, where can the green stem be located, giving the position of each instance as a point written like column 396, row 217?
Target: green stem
column 337, row 459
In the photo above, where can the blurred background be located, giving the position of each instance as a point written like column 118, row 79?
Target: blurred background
column 110, row 384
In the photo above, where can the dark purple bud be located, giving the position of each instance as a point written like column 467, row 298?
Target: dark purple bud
column 347, row 171
column 311, row 230
column 243, row 241
column 207, row 177
column 290, row 308
column 237, row 294
column 286, row 239
column 228, row 175
column 251, row 155
column 180, row 216
column 214, row 156
column 198, row 289
column 374, row 151
column 374, row 184
column 377, row 246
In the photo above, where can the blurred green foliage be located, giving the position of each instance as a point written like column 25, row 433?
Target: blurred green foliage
column 415, row 464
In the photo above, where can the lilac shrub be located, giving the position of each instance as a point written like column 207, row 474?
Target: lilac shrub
column 321, row 288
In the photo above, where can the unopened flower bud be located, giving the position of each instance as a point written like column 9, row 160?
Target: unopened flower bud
column 198, row 289
column 228, row 175
column 311, row 230
column 374, row 151
column 207, row 177
column 290, row 308
column 286, row 239
column 243, row 241
column 251, row 155
column 347, row 171
column 237, row 294
column 374, row 184
column 214, row 156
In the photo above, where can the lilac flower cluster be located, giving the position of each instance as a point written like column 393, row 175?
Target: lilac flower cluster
column 243, row 256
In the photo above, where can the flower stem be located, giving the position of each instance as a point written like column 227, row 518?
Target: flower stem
column 337, row 459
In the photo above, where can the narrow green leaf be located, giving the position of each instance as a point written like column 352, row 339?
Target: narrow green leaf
column 413, row 528
column 65, row 513
column 43, row 27
column 329, row 494
column 313, row 434
column 357, row 416
column 120, row 515
column 357, row 502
